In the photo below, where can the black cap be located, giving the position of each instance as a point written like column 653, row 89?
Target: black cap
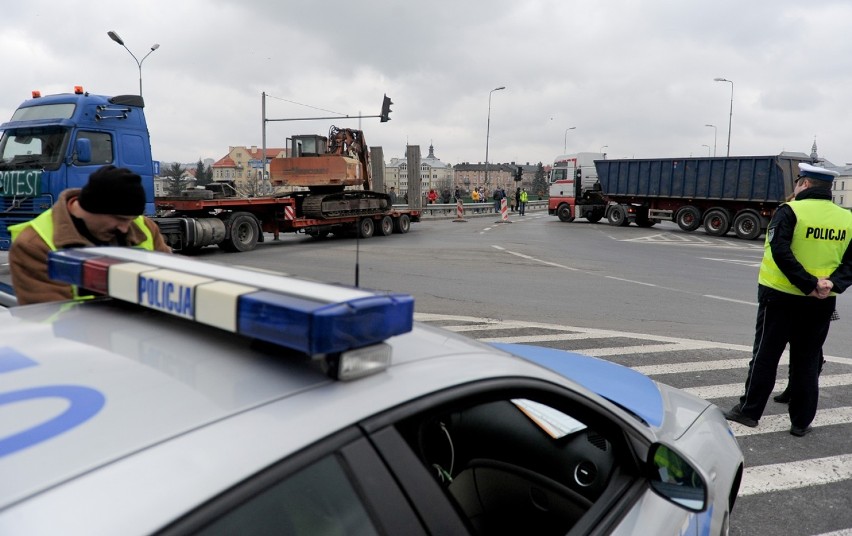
column 113, row 190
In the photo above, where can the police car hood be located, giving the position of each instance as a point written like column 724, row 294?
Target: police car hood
column 659, row 406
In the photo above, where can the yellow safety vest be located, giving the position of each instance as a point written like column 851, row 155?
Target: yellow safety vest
column 822, row 234
column 524, row 197
column 43, row 226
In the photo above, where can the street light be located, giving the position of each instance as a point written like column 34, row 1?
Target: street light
column 731, row 114
column 114, row 36
column 715, row 130
column 488, row 129
column 708, row 148
column 565, row 150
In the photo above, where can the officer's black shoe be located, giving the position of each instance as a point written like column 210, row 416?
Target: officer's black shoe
column 800, row 432
column 783, row 398
column 735, row 415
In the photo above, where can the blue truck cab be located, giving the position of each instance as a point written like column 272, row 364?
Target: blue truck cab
column 55, row 142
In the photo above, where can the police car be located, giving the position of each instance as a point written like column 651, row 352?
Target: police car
column 204, row 399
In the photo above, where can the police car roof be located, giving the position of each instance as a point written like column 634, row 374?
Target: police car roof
column 97, row 386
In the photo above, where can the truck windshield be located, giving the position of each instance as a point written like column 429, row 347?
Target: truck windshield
column 35, row 148
column 44, row 111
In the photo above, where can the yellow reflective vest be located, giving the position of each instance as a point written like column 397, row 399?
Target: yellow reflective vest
column 524, row 197
column 822, row 234
column 43, row 226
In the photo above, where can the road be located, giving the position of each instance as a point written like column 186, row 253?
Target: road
column 677, row 306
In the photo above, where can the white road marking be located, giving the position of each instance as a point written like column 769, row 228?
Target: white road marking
column 729, row 299
column 710, row 392
column 741, row 262
column 781, row 422
column 794, row 475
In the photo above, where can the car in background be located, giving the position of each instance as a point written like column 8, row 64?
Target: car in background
column 197, row 398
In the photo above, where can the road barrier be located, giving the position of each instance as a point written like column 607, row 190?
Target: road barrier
column 450, row 210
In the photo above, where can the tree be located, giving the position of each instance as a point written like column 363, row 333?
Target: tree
column 174, row 179
column 539, row 186
column 203, row 174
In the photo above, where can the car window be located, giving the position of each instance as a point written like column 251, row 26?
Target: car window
column 318, row 499
column 519, row 465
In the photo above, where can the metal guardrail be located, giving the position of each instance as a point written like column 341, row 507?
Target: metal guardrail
column 448, row 210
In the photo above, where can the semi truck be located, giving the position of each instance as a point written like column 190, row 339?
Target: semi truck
column 55, row 142
column 718, row 193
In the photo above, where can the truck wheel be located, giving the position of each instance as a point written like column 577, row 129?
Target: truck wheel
column 595, row 216
column 747, row 225
column 243, row 232
column 386, row 226
column 366, row 228
column 688, row 218
column 402, row 224
column 564, row 213
column 717, row 222
column 618, row 217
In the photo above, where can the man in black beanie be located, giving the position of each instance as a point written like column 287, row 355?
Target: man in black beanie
column 107, row 211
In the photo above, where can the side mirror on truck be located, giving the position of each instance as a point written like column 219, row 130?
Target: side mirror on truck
column 83, row 150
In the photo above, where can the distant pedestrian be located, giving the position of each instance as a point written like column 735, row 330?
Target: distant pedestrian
column 498, row 195
column 457, row 195
column 392, row 194
column 432, row 196
column 523, row 204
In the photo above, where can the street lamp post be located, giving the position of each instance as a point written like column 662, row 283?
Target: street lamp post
column 708, row 148
column 488, row 129
column 731, row 114
column 565, row 149
column 114, row 36
column 715, row 130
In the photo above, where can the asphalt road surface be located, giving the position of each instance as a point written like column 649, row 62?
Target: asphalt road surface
column 677, row 306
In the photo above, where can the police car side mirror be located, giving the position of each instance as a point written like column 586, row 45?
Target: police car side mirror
column 675, row 479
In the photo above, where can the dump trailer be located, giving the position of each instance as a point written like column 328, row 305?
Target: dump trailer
column 717, row 193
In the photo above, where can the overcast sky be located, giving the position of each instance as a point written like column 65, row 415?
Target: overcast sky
column 635, row 76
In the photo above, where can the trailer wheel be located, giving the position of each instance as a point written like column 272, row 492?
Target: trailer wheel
column 366, row 227
column 564, row 213
column 243, row 232
column 618, row 217
column 747, row 225
column 402, row 224
column 717, row 222
column 688, row 218
column 386, row 226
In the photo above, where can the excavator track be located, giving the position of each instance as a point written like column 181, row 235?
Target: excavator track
column 350, row 203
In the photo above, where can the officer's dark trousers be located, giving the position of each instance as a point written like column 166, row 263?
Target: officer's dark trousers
column 803, row 322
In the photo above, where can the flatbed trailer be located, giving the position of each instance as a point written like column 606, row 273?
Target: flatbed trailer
column 238, row 223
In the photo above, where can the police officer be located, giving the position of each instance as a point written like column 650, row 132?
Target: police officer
column 806, row 261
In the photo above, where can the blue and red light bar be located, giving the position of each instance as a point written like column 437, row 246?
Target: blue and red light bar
column 310, row 317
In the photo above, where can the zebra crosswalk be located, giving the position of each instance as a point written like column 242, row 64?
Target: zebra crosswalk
column 696, row 367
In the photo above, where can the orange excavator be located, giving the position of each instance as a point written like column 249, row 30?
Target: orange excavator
column 335, row 170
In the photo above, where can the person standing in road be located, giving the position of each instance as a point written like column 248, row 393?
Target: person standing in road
column 107, row 211
column 392, row 195
column 522, row 207
column 806, row 261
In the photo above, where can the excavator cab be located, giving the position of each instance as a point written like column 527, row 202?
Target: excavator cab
column 308, row 145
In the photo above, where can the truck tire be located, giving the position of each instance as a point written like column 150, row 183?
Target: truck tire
column 618, row 217
column 386, row 226
column 717, row 222
column 402, row 224
column 243, row 232
column 747, row 225
column 688, row 218
column 595, row 216
column 366, row 227
column 564, row 213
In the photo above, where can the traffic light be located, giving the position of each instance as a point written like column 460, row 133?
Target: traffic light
column 519, row 174
column 386, row 104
